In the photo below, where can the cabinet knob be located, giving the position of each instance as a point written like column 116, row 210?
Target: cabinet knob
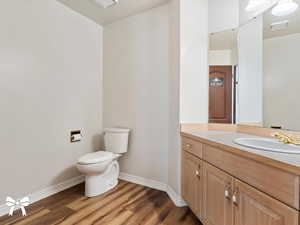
column 235, row 198
column 227, row 194
column 188, row 146
column 197, row 173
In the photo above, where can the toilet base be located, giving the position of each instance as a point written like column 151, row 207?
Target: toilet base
column 98, row 184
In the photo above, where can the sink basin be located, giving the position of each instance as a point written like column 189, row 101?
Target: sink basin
column 268, row 144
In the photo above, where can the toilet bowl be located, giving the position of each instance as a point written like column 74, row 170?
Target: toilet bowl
column 101, row 169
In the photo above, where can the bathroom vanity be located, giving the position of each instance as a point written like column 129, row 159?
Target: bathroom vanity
column 227, row 184
column 226, row 180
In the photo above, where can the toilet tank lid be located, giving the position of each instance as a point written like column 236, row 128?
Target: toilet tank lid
column 117, row 130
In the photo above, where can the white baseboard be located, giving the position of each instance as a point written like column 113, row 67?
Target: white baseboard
column 143, row 181
column 178, row 201
column 48, row 191
column 51, row 190
column 3, row 210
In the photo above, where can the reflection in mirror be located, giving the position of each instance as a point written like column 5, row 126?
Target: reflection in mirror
column 223, row 61
column 255, row 80
column 249, row 9
column 249, row 91
column 281, row 68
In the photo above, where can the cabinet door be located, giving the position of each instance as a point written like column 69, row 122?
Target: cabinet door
column 192, row 182
column 252, row 207
column 218, row 208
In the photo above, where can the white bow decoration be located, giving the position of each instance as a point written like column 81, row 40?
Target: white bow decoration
column 10, row 202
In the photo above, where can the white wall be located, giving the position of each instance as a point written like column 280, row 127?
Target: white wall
column 174, row 151
column 250, row 74
column 51, row 83
column 194, row 61
column 281, row 82
column 222, row 15
column 220, row 57
column 136, row 90
column 234, row 56
column 144, row 57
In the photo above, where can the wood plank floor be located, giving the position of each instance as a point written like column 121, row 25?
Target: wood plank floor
column 127, row 204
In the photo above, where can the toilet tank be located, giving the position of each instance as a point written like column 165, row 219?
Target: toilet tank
column 116, row 140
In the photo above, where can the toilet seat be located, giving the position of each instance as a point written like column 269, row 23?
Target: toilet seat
column 95, row 157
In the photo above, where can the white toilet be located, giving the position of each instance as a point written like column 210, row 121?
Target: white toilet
column 101, row 169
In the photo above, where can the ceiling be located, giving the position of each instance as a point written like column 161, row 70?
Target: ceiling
column 223, row 40
column 294, row 24
column 102, row 16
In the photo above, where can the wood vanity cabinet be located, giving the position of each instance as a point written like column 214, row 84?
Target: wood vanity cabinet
column 216, row 202
column 220, row 198
column 192, row 186
column 256, row 208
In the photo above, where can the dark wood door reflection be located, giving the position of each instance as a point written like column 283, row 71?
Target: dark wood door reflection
column 220, row 94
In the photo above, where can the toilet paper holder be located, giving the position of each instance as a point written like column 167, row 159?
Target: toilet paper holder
column 76, row 136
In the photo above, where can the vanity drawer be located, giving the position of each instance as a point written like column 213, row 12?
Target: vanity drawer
column 281, row 185
column 191, row 146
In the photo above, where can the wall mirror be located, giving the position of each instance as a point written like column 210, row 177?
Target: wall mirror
column 254, row 71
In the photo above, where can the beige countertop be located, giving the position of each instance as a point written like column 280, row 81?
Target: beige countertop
column 224, row 140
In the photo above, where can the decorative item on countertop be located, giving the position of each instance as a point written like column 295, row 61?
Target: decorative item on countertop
column 287, row 139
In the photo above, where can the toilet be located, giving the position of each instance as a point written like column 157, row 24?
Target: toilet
column 101, row 169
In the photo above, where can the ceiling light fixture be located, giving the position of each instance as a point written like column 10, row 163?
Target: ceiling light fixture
column 259, row 5
column 281, row 25
column 106, row 3
column 285, row 8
